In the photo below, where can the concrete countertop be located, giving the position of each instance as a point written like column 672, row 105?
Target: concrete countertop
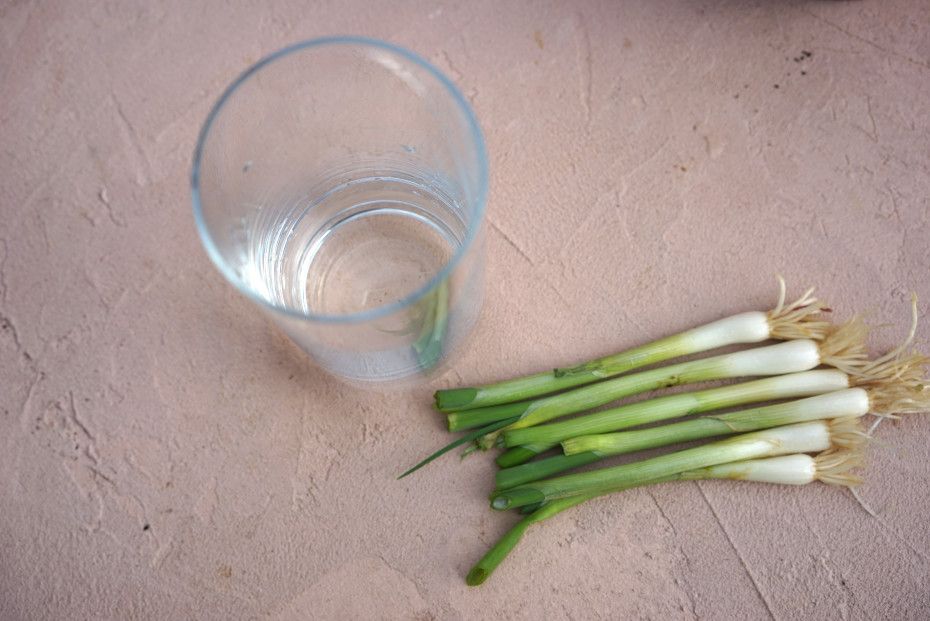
column 168, row 454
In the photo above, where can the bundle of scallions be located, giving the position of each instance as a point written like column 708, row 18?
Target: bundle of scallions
column 787, row 413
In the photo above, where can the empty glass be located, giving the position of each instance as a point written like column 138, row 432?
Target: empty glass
column 341, row 185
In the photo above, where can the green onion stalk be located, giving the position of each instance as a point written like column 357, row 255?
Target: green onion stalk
column 890, row 387
column 880, row 373
column 435, row 315
column 787, row 357
column 586, row 449
column 787, row 386
column 888, row 401
column 832, row 467
column 844, row 349
column 800, row 319
column 807, row 437
column 773, row 445
column 773, row 360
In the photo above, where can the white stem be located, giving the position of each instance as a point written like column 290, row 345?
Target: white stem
column 846, row 402
column 799, row 438
column 797, row 469
column 787, row 357
column 751, row 327
column 800, row 384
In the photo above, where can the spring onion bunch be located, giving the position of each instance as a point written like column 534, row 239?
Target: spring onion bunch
column 789, row 402
column 884, row 388
column 842, row 348
column 811, row 340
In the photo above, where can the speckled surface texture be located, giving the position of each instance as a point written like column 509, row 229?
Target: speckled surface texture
column 167, row 454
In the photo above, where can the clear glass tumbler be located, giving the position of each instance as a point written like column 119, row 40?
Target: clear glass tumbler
column 341, row 185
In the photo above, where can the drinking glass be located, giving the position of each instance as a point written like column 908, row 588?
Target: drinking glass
column 340, row 184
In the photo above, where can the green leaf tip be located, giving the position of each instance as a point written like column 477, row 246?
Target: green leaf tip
column 516, row 497
column 476, row 576
column 466, row 438
column 454, row 398
column 515, row 456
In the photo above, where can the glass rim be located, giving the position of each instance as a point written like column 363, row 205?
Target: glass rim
column 378, row 312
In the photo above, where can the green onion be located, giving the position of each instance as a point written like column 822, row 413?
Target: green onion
column 831, row 467
column 843, row 348
column 489, row 562
column 901, row 392
column 848, row 402
column 787, row 357
column 797, row 438
column 896, row 378
column 586, row 449
column 786, row 386
column 792, row 321
column 773, row 439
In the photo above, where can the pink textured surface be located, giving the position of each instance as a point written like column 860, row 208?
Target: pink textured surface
column 167, row 454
